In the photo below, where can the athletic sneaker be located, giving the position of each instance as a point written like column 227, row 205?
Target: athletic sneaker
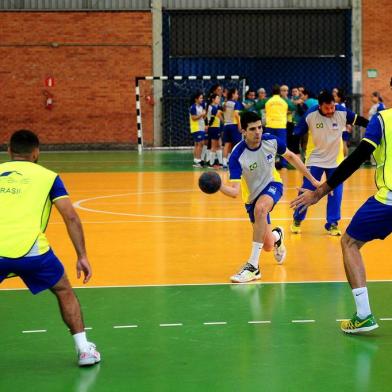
column 279, row 247
column 89, row 357
column 333, row 229
column 197, row 164
column 296, row 227
column 224, row 167
column 357, row 325
column 247, row 273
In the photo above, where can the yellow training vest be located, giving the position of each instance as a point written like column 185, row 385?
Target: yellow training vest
column 276, row 112
column 383, row 156
column 24, row 205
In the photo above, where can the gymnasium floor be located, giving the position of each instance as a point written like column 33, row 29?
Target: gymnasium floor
column 159, row 304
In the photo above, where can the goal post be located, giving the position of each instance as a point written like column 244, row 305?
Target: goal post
column 173, row 94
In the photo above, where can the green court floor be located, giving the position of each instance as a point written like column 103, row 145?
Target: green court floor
column 257, row 337
column 115, row 161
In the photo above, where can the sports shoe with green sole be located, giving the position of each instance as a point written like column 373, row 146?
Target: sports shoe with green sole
column 333, row 229
column 357, row 325
column 296, row 227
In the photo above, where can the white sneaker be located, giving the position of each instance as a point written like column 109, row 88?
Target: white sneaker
column 89, row 357
column 247, row 273
column 279, row 248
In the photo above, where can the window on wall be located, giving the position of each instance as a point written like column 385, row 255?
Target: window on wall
column 259, row 33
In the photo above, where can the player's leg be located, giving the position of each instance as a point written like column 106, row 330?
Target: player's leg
column 69, row 305
column 263, row 236
column 298, row 215
column 258, row 212
column 198, row 138
column 372, row 221
column 72, row 317
column 334, row 204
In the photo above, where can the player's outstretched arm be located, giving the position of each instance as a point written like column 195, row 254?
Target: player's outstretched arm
column 75, row 232
column 232, row 190
column 299, row 165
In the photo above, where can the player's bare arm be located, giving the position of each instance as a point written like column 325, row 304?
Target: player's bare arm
column 299, row 165
column 232, row 190
column 75, row 231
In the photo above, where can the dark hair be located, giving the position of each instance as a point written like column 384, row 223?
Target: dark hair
column 248, row 92
column 276, row 89
column 231, row 93
column 213, row 88
column 340, row 93
column 213, row 96
column 325, row 97
column 196, row 95
column 247, row 118
column 307, row 92
column 378, row 95
column 23, row 141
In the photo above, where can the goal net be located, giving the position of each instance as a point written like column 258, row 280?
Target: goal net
column 162, row 106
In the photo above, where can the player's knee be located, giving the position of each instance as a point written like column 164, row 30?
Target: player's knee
column 261, row 210
column 62, row 287
column 347, row 242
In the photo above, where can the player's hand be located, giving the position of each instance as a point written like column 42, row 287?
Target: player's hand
column 83, row 266
column 305, row 199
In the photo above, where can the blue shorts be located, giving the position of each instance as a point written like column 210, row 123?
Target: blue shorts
column 231, row 134
column 214, row 133
column 273, row 189
column 346, row 136
column 199, row 136
column 372, row 221
column 37, row 272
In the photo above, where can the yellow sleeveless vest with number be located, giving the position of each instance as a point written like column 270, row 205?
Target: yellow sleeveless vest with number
column 24, row 205
column 276, row 112
column 383, row 156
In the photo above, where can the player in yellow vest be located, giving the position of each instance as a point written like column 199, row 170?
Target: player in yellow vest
column 372, row 221
column 27, row 192
column 276, row 111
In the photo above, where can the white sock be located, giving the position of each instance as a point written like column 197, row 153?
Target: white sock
column 81, row 342
column 276, row 235
column 224, row 161
column 254, row 256
column 362, row 301
column 212, row 157
column 204, row 153
column 219, row 156
column 196, row 160
column 208, row 155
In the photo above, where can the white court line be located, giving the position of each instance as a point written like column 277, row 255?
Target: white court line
column 342, row 320
column 207, row 284
column 88, row 328
column 260, row 322
column 124, row 326
column 386, row 319
column 215, row 323
column 78, row 205
column 303, row 321
column 171, row 325
column 35, row 331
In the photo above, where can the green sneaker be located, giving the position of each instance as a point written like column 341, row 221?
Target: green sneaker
column 357, row 325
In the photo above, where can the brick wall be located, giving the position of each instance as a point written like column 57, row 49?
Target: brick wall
column 376, row 49
column 98, row 56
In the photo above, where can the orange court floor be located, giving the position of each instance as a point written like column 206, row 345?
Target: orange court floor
column 158, row 228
